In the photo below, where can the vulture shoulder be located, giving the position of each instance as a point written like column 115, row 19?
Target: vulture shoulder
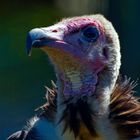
column 124, row 114
column 125, row 109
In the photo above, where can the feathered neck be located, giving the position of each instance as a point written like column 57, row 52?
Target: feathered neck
column 76, row 112
column 76, row 77
column 78, row 83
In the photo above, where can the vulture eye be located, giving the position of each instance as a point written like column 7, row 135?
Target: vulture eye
column 90, row 33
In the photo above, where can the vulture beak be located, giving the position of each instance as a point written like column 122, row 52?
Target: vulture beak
column 44, row 37
column 34, row 38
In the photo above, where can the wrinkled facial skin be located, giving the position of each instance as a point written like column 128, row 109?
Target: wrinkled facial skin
column 80, row 48
column 89, row 49
column 83, row 38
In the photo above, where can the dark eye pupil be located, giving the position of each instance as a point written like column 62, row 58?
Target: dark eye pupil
column 91, row 33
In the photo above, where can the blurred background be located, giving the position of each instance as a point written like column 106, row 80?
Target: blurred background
column 22, row 78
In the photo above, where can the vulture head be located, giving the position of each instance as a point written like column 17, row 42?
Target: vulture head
column 85, row 53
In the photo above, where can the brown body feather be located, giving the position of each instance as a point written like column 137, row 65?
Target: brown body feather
column 124, row 113
column 125, row 110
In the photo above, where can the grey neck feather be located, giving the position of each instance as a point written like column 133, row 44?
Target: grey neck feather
column 107, row 80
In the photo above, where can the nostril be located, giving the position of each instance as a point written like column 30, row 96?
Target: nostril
column 54, row 31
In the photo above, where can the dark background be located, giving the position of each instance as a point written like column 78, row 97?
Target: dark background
column 22, row 78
